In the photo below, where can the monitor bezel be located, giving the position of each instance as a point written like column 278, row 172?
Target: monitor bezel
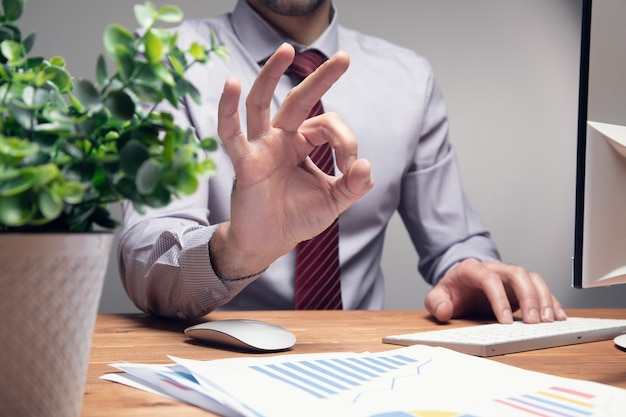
column 583, row 96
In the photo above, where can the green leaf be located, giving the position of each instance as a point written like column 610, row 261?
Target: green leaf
column 126, row 187
column 132, row 155
column 22, row 77
column 112, row 135
column 159, row 198
column 75, row 103
column 192, row 91
column 88, row 95
column 72, row 150
column 101, row 70
column 154, row 47
column 177, row 65
column 17, row 148
column 59, row 124
column 28, row 42
column 145, row 14
column 124, row 62
column 59, row 76
column 163, row 73
column 221, row 51
column 24, row 116
column 41, row 97
column 71, row 192
column 103, row 218
column 8, row 174
column 209, row 144
column 13, row 9
column 121, row 105
column 16, row 211
column 168, row 147
column 45, row 174
column 147, row 93
column 28, row 96
column 33, row 62
column 58, row 61
column 198, row 52
column 50, row 205
column 18, row 185
column 187, row 182
column 170, row 14
column 115, row 36
column 11, row 50
column 99, row 178
column 11, row 31
column 36, row 158
column 148, row 177
column 207, row 167
column 35, row 98
column 171, row 95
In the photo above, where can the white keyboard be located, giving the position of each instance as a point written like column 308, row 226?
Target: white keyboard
column 498, row 339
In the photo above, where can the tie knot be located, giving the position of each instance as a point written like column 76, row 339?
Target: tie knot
column 305, row 63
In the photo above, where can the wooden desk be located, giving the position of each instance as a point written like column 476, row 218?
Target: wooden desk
column 143, row 339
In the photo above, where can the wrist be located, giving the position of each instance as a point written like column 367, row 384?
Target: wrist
column 230, row 260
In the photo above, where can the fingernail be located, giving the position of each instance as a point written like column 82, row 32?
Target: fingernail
column 533, row 316
column 507, row 315
column 548, row 314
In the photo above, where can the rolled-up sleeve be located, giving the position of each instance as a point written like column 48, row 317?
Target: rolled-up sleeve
column 164, row 261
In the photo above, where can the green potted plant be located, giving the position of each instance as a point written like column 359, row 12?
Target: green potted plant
column 68, row 150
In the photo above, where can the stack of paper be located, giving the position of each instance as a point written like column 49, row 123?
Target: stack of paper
column 414, row 381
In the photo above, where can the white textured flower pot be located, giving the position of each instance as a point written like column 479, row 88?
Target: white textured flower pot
column 50, row 287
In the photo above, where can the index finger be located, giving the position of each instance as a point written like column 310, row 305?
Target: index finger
column 301, row 99
column 262, row 91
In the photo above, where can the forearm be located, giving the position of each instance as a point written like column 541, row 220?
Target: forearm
column 165, row 267
column 478, row 246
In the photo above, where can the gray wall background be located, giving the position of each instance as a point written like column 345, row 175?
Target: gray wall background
column 509, row 70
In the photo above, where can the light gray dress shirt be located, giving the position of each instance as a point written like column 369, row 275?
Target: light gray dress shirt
column 390, row 100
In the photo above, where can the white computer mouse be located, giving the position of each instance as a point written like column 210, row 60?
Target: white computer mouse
column 620, row 341
column 243, row 334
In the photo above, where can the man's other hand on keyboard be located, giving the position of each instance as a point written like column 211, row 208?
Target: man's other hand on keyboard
column 493, row 288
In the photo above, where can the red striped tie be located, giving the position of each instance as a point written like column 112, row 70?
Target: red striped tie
column 317, row 284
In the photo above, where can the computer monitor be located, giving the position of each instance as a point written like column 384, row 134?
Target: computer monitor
column 600, row 218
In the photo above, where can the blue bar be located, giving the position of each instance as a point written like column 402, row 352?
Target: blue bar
column 376, row 361
column 287, row 381
column 354, row 367
column 316, row 367
column 405, row 359
column 313, row 375
column 342, row 370
column 367, row 365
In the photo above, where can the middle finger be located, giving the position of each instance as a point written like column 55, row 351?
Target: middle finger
column 301, row 99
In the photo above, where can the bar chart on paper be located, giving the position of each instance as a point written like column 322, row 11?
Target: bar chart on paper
column 323, row 378
column 416, row 381
column 552, row 402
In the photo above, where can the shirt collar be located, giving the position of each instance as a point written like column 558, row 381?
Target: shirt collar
column 261, row 39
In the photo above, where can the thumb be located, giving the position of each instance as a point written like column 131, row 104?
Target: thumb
column 439, row 304
column 354, row 184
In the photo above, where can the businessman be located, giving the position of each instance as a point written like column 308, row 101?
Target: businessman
column 246, row 239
